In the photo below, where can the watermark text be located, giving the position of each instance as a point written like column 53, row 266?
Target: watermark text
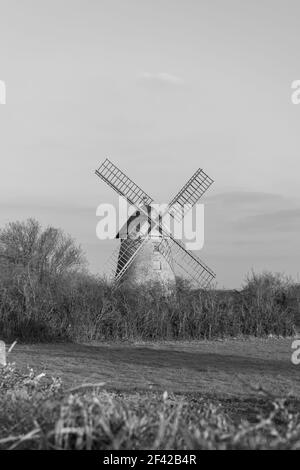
column 295, row 358
column 2, row 92
column 295, row 97
column 153, row 220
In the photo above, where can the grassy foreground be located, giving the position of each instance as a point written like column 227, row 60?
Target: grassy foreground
column 38, row 412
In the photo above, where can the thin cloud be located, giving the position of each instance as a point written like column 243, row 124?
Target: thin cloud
column 246, row 197
column 160, row 78
column 280, row 221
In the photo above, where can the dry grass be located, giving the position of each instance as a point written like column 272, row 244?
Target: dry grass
column 47, row 294
column 37, row 413
column 82, row 308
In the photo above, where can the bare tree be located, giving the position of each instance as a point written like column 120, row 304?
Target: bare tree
column 42, row 251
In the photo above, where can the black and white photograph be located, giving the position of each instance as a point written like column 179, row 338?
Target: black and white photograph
column 149, row 229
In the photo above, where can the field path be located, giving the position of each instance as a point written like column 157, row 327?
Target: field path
column 227, row 368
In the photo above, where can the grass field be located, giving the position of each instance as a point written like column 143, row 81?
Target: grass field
column 230, row 394
column 229, row 368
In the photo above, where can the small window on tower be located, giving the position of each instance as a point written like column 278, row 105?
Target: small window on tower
column 157, row 265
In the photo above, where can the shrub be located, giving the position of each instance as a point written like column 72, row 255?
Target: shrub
column 81, row 307
column 46, row 294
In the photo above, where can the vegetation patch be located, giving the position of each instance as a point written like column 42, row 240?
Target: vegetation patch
column 37, row 412
column 46, row 294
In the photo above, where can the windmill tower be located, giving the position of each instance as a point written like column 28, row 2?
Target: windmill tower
column 150, row 264
column 148, row 251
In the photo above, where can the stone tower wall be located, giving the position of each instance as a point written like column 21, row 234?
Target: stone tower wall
column 149, row 265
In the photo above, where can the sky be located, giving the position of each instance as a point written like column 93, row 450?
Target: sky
column 161, row 88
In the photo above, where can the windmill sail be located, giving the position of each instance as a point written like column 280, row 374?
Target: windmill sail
column 164, row 248
column 121, row 183
column 122, row 257
column 191, row 264
column 125, row 187
column 189, row 194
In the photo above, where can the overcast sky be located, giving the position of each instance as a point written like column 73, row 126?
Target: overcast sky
column 161, row 88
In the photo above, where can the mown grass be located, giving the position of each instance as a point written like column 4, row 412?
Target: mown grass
column 215, row 367
column 80, row 307
column 37, row 412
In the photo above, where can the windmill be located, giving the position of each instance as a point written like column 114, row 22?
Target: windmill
column 149, row 252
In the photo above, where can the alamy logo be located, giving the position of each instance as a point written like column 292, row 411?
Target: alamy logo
column 296, row 354
column 296, row 93
column 152, row 220
column 2, row 92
